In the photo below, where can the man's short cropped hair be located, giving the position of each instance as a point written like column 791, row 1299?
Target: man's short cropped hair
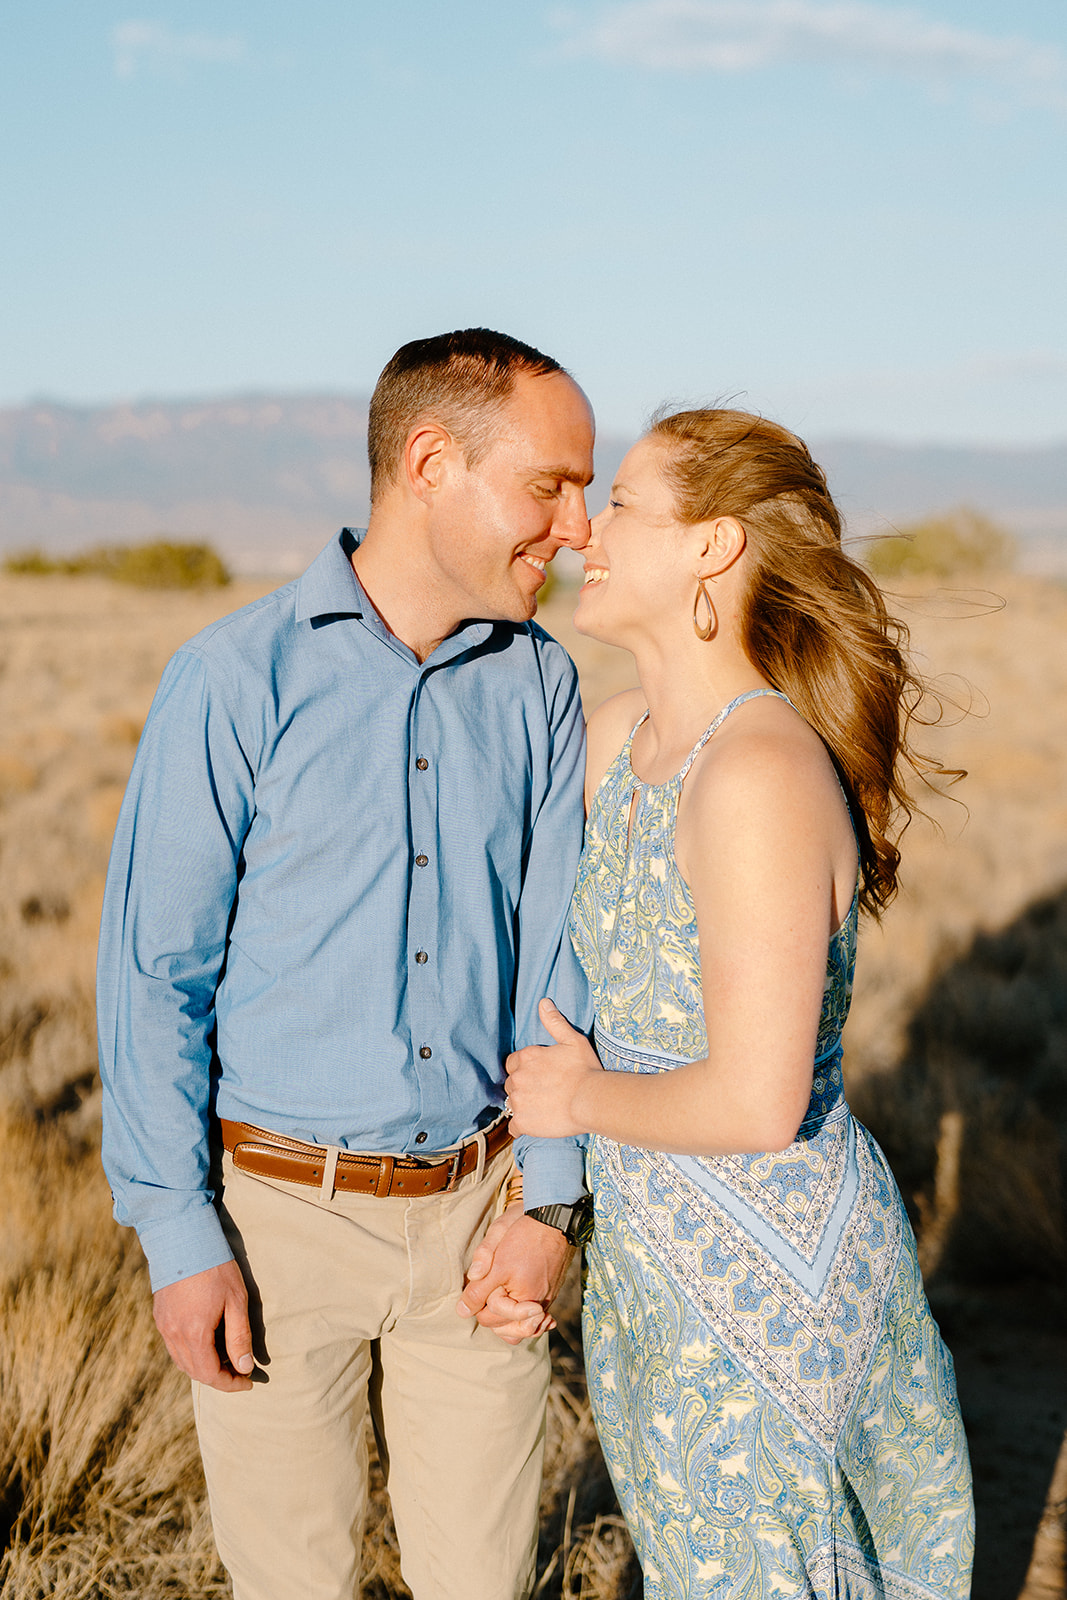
column 459, row 379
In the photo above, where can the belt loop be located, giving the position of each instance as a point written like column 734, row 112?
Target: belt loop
column 479, row 1170
column 329, row 1174
column 385, row 1176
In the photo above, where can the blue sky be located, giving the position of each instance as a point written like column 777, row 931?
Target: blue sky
column 851, row 215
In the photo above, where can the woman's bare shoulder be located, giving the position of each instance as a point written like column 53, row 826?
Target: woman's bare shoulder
column 769, row 784
column 609, row 727
column 765, row 763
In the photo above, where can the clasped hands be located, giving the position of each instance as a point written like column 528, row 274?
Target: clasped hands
column 517, row 1270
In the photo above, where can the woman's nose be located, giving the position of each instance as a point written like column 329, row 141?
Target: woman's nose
column 596, row 525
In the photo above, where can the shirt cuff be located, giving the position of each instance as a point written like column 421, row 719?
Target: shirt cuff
column 181, row 1246
column 553, row 1171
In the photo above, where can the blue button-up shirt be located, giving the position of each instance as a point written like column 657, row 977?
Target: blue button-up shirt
column 338, row 889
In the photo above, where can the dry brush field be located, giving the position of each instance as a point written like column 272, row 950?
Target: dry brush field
column 956, row 1054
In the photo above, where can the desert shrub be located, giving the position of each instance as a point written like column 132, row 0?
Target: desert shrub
column 160, row 564
column 960, row 541
column 30, row 564
column 168, row 565
column 987, row 1047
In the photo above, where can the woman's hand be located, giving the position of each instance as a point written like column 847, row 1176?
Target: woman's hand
column 543, row 1081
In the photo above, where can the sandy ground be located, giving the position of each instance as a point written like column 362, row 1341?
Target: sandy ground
column 79, row 660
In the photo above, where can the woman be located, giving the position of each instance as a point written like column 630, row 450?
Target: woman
column 775, row 1404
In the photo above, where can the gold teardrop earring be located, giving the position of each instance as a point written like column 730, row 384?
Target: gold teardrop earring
column 704, row 630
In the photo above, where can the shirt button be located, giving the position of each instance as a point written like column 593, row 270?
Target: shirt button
column 426, row 1052
column 421, row 860
column 422, row 763
column 420, row 1138
column 421, row 957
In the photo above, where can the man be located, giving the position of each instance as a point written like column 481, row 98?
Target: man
column 337, row 893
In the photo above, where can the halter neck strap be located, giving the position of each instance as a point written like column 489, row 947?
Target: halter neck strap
column 717, row 722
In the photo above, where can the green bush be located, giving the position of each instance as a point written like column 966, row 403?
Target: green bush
column 960, row 541
column 30, row 563
column 166, row 565
column 161, row 564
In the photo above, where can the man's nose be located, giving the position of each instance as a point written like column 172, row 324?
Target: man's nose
column 572, row 525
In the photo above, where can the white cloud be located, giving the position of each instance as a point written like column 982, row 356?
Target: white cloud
column 744, row 35
column 140, row 44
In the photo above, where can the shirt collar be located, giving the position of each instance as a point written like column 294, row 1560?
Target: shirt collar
column 330, row 588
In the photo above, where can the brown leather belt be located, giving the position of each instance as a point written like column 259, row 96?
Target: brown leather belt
column 271, row 1155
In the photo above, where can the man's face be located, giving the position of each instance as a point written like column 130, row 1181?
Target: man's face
column 497, row 524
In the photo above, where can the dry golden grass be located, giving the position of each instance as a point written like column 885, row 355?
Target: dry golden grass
column 100, row 1486
column 959, row 1012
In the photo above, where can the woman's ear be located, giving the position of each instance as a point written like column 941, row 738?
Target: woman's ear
column 723, row 541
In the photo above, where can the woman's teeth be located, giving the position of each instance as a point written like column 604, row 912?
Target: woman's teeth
column 595, row 574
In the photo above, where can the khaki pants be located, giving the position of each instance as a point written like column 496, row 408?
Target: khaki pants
column 353, row 1309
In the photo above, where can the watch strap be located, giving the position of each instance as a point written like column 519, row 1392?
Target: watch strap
column 573, row 1219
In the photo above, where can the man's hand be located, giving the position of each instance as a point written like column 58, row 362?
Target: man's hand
column 514, row 1276
column 203, row 1315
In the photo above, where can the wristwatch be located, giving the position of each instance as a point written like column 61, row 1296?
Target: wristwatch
column 574, row 1221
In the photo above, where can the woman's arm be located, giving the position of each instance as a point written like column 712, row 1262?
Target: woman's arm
column 763, row 834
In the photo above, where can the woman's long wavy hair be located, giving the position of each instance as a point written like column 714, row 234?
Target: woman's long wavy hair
column 813, row 621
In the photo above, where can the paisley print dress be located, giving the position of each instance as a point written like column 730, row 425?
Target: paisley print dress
column 774, row 1401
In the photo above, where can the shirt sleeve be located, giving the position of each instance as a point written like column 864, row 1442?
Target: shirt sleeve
column 553, row 1169
column 170, row 891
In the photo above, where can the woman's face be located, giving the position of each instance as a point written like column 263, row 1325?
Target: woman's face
column 636, row 574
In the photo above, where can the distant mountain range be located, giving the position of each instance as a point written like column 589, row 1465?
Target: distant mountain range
column 267, row 478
